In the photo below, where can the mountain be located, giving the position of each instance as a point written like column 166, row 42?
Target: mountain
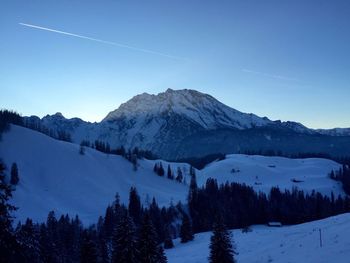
column 200, row 109
column 335, row 131
column 54, row 175
column 178, row 124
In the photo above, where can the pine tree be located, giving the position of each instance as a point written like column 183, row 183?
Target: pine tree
column 169, row 173
column 88, row 251
column 14, row 174
column 193, row 200
column 160, row 169
column 52, row 244
column 134, row 205
column 124, row 242
column 108, row 223
column 221, row 249
column 147, row 242
column 193, row 183
column 155, row 168
column 118, row 208
column 9, row 247
column 168, row 241
column 186, row 233
column 179, row 176
column 28, row 236
column 161, row 255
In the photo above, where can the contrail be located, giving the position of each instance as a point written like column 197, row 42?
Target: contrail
column 104, row 41
column 269, row 75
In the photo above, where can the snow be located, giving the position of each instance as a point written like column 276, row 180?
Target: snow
column 199, row 107
column 335, row 131
column 298, row 243
column 150, row 121
column 263, row 172
column 54, row 176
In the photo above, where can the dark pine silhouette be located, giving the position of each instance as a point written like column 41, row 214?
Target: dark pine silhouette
column 221, row 249
column 124, row 242
column 186, row 233
column 14, row 174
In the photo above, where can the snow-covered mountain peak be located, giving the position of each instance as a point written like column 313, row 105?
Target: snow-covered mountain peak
column 57, row 115
column 198, row 107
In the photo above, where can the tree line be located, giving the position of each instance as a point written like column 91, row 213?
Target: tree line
column 241, row 206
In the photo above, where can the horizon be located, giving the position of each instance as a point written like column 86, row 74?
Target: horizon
column 84, row 59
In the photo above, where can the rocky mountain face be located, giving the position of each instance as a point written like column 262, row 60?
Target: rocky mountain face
column 178, row 124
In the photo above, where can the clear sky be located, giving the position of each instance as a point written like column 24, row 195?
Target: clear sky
column 287, row 60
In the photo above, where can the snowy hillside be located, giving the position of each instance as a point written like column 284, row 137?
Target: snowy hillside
column 292, row 244
column 53, row 175
column 263, row 172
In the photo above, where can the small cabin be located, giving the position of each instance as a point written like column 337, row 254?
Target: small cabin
column 274, row 224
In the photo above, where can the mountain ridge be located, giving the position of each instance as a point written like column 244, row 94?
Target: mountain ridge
column 162, row 123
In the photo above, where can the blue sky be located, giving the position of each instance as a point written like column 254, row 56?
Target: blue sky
column 286, row 60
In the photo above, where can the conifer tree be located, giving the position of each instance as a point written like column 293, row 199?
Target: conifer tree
column 168, row 241
column 88, row 252
column 102, row 242
column 186, row 233
column 14, row 174
column 155, row 168
column 160, row 169
column 193, row 183
column 28, row 236
column 124, row 242
column 108, row 223
column 147, row 242
column 8, row 243
column 193, row 200
column 134, row 205
column 52, row 237
column 169, row 173
column 118, row 208
column 161, row 255
column 179, row 176
column 156, row 218
column 221, row 249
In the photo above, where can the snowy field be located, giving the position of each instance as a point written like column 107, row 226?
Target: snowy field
column 263, row 172
column 54, row 176
column 289, row 244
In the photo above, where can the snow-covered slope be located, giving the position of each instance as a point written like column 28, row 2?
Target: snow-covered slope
column 335, row 131
column 292, row 244
column 198, row 107
column 263, row 172
column 54, row 176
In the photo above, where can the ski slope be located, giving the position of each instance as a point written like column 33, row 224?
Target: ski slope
column 54, row 176
column 288, row 244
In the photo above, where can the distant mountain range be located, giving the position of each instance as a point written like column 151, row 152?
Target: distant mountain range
column 178, row 124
